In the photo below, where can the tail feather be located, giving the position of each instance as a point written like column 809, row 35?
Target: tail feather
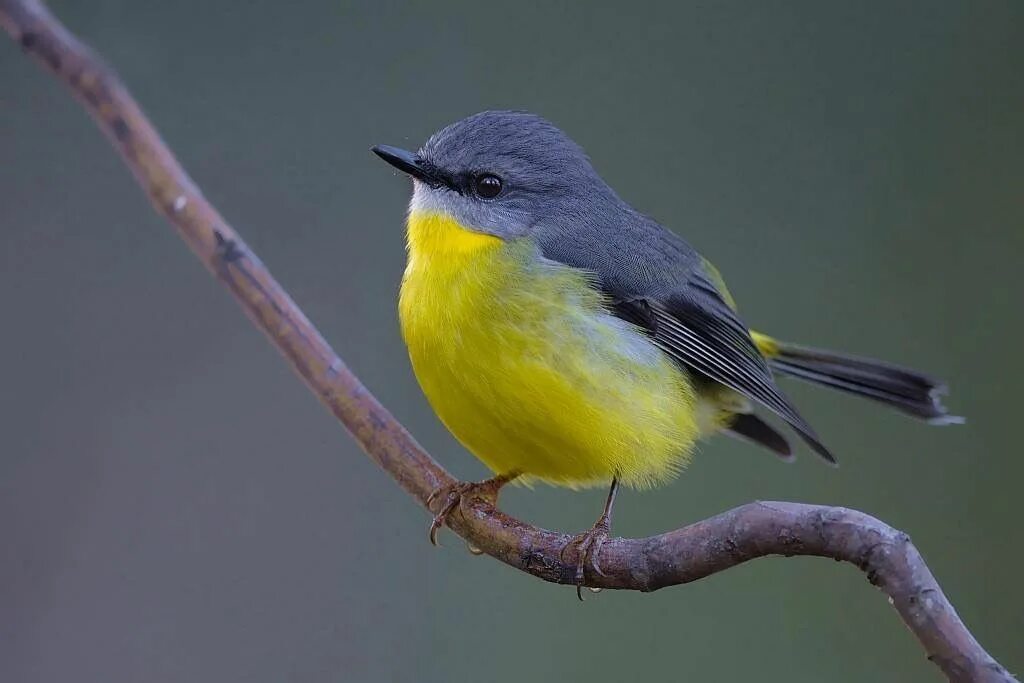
column 906, row 390
column 752, row 428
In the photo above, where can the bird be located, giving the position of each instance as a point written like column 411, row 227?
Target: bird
column 564, row 337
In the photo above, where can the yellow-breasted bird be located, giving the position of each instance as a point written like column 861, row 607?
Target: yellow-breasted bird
column 564, row 337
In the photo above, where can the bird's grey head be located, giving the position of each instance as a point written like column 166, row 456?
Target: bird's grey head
column 503, row 173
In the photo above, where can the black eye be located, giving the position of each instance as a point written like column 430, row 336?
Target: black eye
column 487, row 186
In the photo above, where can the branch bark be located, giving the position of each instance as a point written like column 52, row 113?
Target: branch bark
column 886, row 555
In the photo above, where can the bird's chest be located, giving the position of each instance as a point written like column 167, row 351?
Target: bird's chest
column 493, row 331
column 472, row 315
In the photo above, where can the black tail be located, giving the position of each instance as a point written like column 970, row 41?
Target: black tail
column 752, row 428
column 906, row 390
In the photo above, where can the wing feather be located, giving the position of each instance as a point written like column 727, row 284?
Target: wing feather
column 655, row 280
column 710, row 339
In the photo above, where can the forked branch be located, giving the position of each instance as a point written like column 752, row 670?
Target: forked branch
column 887, row 556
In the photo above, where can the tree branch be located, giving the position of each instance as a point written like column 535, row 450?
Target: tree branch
column 887, row 556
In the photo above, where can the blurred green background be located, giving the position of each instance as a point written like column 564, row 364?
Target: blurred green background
column 175, row 505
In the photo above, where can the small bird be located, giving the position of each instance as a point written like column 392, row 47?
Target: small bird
column 564, row 337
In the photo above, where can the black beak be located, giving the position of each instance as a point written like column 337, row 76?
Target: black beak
column 410, row 163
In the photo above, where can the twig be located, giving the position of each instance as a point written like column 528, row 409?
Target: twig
column 755, row 530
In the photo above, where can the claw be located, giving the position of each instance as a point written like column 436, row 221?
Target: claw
column 455, row 492
column 588, row 548
column 588, row 544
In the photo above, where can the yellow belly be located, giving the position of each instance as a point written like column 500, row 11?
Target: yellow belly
column 525, row 367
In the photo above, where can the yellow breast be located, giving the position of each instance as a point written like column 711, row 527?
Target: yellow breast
column 523, row 364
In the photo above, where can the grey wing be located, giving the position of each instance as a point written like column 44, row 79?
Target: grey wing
column 695, row 326
column 657, row 281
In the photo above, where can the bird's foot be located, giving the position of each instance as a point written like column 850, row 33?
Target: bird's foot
column 454, row 493
column 587, row 547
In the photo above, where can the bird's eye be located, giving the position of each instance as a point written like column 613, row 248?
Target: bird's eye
column 487, row 185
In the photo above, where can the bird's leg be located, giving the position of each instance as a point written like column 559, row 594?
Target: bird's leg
column 588, row 544
column 454, row 493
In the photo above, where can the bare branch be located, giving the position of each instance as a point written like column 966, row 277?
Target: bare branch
column 887, row 556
